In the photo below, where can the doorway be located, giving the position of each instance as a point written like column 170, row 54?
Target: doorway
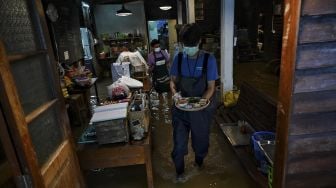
column 165, row 32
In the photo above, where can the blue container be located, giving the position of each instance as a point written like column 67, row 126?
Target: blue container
column 258, row 153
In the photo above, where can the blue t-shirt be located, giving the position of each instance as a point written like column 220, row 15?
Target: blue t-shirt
column 191, row 68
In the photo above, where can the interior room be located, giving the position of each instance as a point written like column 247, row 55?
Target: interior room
column 100, row 93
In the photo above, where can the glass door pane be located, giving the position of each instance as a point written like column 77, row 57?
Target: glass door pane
column 16, row 27
column 46, row 135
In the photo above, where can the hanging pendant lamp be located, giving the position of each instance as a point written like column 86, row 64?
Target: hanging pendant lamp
column 165, row 7
column 123, row 11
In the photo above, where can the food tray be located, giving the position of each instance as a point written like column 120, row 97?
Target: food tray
column 192, row 109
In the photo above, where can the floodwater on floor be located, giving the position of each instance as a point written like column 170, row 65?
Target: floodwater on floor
column 221, row 166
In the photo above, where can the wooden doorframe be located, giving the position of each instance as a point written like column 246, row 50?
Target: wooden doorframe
column 284, row 108
column 12, row 164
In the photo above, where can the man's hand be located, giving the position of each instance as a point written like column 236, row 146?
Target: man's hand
column 177, row 96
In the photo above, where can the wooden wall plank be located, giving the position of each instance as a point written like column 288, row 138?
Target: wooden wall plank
column 318, row 7
column 5, row 172
column 304, row 145
column 313, row 123
column 311, row 180
column 325, row 161
column 316, row 55
column 314, row 102
column 317, row 29
column 313, row 83
column 258, row 108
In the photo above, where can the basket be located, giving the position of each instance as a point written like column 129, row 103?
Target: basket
column 142, row 116
column 258, row 153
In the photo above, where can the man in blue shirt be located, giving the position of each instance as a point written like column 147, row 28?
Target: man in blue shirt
column 193, row 74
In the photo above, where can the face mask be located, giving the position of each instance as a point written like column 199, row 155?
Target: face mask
column 191, row 51
column 158, row 49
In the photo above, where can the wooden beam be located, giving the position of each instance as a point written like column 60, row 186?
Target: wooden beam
column 30, row 117
column 19, row 57
column 288, row 54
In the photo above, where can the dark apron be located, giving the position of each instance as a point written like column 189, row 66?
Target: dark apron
column 195, row 87
column 160, row 74
column 196, row 123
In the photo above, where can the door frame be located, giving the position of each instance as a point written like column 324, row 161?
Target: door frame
column 12, row 164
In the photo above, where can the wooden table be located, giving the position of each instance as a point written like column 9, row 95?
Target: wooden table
column 93, row 156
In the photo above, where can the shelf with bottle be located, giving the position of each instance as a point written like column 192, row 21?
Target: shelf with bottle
column 123, row 39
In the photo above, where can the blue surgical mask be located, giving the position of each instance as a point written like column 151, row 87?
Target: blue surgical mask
column 191, row 51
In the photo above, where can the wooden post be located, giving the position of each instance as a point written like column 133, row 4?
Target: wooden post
column 227, row 21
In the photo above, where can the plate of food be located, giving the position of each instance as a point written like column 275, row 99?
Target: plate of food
column 192, row 103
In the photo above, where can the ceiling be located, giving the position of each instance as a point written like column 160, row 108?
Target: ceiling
column 111, row 1
column 126, row 1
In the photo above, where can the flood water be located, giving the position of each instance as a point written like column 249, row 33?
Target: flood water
column 222, row 168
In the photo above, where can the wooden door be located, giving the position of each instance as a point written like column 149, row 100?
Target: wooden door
column 306, row 130
column 31, row 99
column 9, row 168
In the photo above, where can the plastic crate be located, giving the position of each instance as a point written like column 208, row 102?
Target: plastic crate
column 258, row 153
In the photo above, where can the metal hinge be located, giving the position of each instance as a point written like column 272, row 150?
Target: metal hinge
column 24, row 181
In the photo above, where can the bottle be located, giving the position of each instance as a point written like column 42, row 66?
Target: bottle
column 154, row 104
column 93, row 103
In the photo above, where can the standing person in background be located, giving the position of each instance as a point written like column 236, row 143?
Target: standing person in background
column 193, row 74
column 158, row 61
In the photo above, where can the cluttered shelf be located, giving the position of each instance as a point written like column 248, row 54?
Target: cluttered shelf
column 122, row 39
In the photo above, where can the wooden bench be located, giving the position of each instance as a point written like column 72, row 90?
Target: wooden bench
column 259, row 110
column 253, row 106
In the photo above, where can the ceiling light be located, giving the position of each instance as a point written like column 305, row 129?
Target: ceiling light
column 165, row 7
column 123, row 12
